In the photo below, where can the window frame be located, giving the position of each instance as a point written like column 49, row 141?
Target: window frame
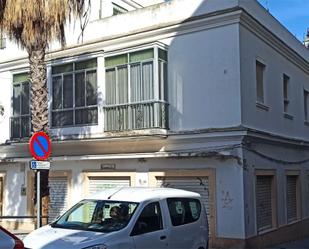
column 20, row 116
column 160, row 93
column 306, row 105
column 259, row 62
column 73, row 109
column 186, row 202
column 298, row 203
column 286, row 89
column 136, row 233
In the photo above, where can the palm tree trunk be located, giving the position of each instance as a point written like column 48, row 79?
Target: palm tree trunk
column 39, row 111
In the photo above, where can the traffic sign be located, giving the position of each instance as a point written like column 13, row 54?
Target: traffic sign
column 40, row 146
column 37, row 165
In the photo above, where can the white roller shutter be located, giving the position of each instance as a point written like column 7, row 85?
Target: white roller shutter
column 101, row 183
column 58, row 189
column 195, row 184
column 264, row 202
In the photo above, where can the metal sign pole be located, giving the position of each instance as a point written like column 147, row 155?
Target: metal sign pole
column 38, row 199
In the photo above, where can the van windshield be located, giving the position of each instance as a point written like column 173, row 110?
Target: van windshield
column 97, row 215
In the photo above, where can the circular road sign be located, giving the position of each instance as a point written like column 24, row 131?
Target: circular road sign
column 40, row 146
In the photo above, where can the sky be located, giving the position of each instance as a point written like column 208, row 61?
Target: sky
column 293, row 14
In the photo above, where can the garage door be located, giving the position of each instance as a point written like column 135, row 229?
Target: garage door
column 58, row 190
column 101, row 183
column 195, row 184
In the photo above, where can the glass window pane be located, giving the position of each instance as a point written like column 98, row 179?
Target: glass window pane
column 122, row 85
column 260, row 81
column 162, row 54
column 25, row 127
column 80, row 89
column 141, row 55
column 25, row 98
column 86, row 116
column 147, row 84
column 57, row 92
column 62, row 68
column 15, row 127
column 116, row 60
column 20, row 77
column 136, row 87
column 110, row 86
column 91, row 84
column 62, row 118
column 150, row 220
column 68, row 91
column 16, row 99
column 86, row 64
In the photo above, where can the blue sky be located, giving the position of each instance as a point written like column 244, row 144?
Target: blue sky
column 293, row 14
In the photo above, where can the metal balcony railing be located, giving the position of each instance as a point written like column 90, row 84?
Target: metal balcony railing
column 136, row 116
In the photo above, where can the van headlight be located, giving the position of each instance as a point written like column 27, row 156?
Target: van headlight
column 96, row 247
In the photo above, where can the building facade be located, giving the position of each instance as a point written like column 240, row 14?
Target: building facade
column 210, row 96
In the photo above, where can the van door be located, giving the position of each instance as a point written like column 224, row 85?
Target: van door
column 148, row 231
column 185, row 231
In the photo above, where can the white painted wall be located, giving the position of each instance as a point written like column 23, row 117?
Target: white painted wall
column 229, row 185
column 273, row 120
column 204, row 79
column 254, row 162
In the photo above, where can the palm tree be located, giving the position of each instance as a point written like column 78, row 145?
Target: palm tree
column 33, row 25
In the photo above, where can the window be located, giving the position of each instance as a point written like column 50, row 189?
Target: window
column 150, row 220
column 260, row 69
column 20, row 119
column 183, row 211
column 118, row 9
column 286, row 101
column 74, row 92
column 265, row 202
column 292, row 192
column 98, row 216
column 306, row 105
column 136, row 91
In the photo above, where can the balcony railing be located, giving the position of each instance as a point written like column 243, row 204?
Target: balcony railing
column 136, row 116
column 20, row 127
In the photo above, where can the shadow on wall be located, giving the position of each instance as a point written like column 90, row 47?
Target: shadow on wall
column 202, row 66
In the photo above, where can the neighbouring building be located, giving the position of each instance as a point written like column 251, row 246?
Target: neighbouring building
column 210, row 96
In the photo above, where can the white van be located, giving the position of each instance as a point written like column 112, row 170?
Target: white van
column 128, row 218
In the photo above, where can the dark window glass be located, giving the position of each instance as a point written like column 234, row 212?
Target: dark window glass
column 62, row 118
column 150, row 220
column 183, row 211
column 86, row 116
column 91, row 87
column 80, row 89
column 16, row 99
column 68, row 91
column 25, row 101
column 57, row 92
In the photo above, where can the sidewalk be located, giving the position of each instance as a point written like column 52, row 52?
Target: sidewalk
column 298, row 244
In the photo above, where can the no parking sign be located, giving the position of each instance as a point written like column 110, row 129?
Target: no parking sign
column 40, row 146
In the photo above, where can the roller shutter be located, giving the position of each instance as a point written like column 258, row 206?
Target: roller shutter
column 195, row 184
column 58, row 189
column 101, row 183
column 291, row 185
column 264, row 202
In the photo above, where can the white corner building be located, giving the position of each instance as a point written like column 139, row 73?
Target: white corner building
column 210, row 96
